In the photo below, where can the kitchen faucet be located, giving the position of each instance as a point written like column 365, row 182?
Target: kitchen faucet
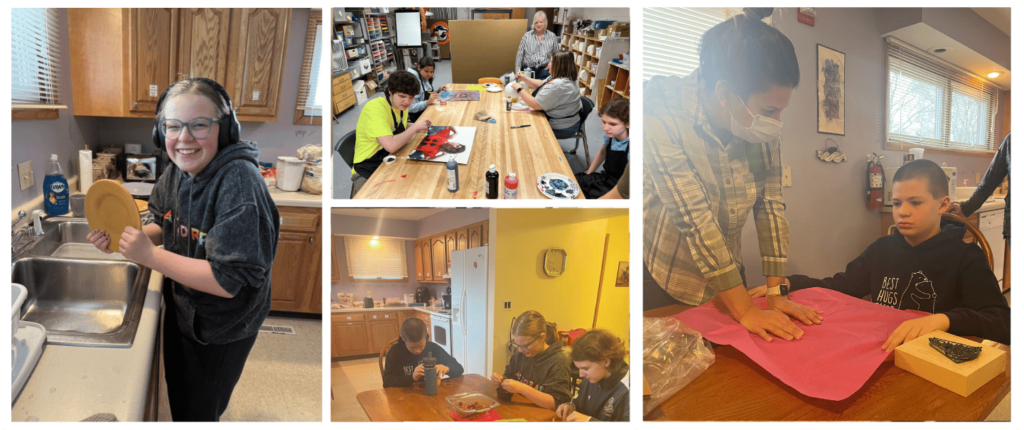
column 36, row 229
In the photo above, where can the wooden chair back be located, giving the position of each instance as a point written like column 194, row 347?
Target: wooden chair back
column 978, row 237
column 384, row 353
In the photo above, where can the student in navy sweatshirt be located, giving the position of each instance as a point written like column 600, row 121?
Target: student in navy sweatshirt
column 924, row 266
column 604, row 392
column 403, row 365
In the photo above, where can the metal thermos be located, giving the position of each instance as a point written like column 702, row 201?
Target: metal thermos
column 430, row 374
column 492, row 183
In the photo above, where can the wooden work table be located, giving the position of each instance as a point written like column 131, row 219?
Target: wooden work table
column 735, row 388
column 412, row 404
column 529, row 152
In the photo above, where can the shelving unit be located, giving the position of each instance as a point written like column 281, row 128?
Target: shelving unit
column 381, row 52
column 593, row 56
column 617, row 85
column 353, row 49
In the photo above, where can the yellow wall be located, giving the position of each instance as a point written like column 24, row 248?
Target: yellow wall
column 523, row 236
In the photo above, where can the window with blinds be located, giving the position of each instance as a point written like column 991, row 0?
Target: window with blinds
column 35, row 59
column 935, row 104
column 672, row 37
column 309, row 108
column 372, row 258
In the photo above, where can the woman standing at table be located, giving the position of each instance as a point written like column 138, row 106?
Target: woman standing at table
column 536, row 47
column 425, row 72
column 711, row 155
column 558, row 95
column 539, row 369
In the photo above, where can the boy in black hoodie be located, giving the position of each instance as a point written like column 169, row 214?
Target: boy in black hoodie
column 925, row 267
column 404, row 363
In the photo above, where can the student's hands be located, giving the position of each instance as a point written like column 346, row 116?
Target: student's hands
column 802, row 313
column 497, row 378
column 511, row 385
column 100, row 240
column 417, row 373
column 520, row 76
column 576, row 417
column 433, row 97
column 136, row 246
column 441, row 370
column 564, row 410
column 516, row 86
column 914, row 329
column 443, row 88
column 954, row 208
column 769, row 323
column 757, row 292
column 421, row 125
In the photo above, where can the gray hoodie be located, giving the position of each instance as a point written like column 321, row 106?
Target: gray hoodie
column 225, row 216
column 547, row 372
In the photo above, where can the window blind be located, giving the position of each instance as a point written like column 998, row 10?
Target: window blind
column 310, row 101
column 369, row 258
column 672, row 37
column 936, row 104
column 35, row 59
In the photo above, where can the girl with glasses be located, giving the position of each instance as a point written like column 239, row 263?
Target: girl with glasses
column 539, row 368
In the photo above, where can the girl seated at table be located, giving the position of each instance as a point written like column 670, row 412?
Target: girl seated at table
column 403, row 365
column 614, row 154
column 604, row 392
column 558, row 95
column 539, row 369
column 425, row 72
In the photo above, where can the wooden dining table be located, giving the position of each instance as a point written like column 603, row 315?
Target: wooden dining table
column 528, row 151
column 413, row 404
column 735, row 388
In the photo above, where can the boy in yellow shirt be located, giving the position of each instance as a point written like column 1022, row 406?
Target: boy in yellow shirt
column 381, row 129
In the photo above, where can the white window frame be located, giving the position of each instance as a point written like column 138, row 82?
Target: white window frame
column 389, row 268
column 35, row 64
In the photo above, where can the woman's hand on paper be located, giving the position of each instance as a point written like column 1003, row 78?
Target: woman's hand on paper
column 768, row 323
column 915, row 328
column 802, row 313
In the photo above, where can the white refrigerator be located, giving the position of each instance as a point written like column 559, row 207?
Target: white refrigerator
column 469, row 309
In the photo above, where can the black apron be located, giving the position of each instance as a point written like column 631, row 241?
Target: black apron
column 598, row 184
column 366, row 167
column 415, row 116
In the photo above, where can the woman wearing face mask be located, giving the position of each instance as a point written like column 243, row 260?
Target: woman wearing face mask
column 711, row 156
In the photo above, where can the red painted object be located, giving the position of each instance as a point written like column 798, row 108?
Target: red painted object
column 511, row 186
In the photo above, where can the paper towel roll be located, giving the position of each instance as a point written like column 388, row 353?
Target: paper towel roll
column 84, row 170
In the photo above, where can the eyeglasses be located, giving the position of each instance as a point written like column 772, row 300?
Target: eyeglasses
column 198, row 128
column 512, row 343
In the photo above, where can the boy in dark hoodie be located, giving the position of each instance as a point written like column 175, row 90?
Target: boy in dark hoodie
column 539, row 369
column 404, row 363
column 925, row 267
column 604, row 392
column 219, row 228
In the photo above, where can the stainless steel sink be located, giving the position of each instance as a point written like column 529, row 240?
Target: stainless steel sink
column 80, row 294
column 66, row 238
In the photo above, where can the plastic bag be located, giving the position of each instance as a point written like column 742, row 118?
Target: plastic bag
column 674, row 355
column 313, row 178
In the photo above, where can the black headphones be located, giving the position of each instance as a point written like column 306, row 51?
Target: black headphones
column 230, row 128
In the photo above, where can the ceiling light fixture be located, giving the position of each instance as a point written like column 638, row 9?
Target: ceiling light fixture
column 993, row 75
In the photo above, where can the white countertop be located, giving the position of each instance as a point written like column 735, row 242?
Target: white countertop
column 429, row 310
column 295, row 198
column 72, row 383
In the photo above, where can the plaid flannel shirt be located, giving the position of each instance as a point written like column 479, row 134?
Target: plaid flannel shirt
column 698, row 192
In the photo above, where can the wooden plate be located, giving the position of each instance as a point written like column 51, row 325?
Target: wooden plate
column 109, row 207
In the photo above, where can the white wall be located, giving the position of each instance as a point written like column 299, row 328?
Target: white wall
column 826, row 207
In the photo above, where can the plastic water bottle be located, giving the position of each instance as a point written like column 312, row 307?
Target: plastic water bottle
column 453, row 174
column 430, row 374
column 492, row 183
column 55, row 189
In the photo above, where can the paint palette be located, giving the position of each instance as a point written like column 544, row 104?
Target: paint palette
column 558, row 186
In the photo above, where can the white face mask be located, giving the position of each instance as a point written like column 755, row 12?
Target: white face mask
column 762, row 129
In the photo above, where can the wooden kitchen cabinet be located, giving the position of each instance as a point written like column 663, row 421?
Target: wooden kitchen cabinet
column 123, row 59
column 475, row 236
column 485, row 232
column 449, row 246
column 462, row 238
column 439, row 258
column 363, row 333
column 382, row 330
column 256, row 63
column 295, row 275
column 343, row 95
column 418, row 257
column 203, row 50
column 335, row 272
column 348, row 338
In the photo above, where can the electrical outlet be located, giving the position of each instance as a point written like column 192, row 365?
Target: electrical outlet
column 507, row 306
column 25, row 176
column 787, row 177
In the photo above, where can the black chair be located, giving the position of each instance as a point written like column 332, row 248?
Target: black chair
column 346, row 148
column 582, row 132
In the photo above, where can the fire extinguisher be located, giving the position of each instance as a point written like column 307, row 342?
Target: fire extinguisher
column 876, row 181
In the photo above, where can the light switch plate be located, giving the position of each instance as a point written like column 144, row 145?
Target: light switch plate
column 25, row 176
column 787, row 177
column 255, row 96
